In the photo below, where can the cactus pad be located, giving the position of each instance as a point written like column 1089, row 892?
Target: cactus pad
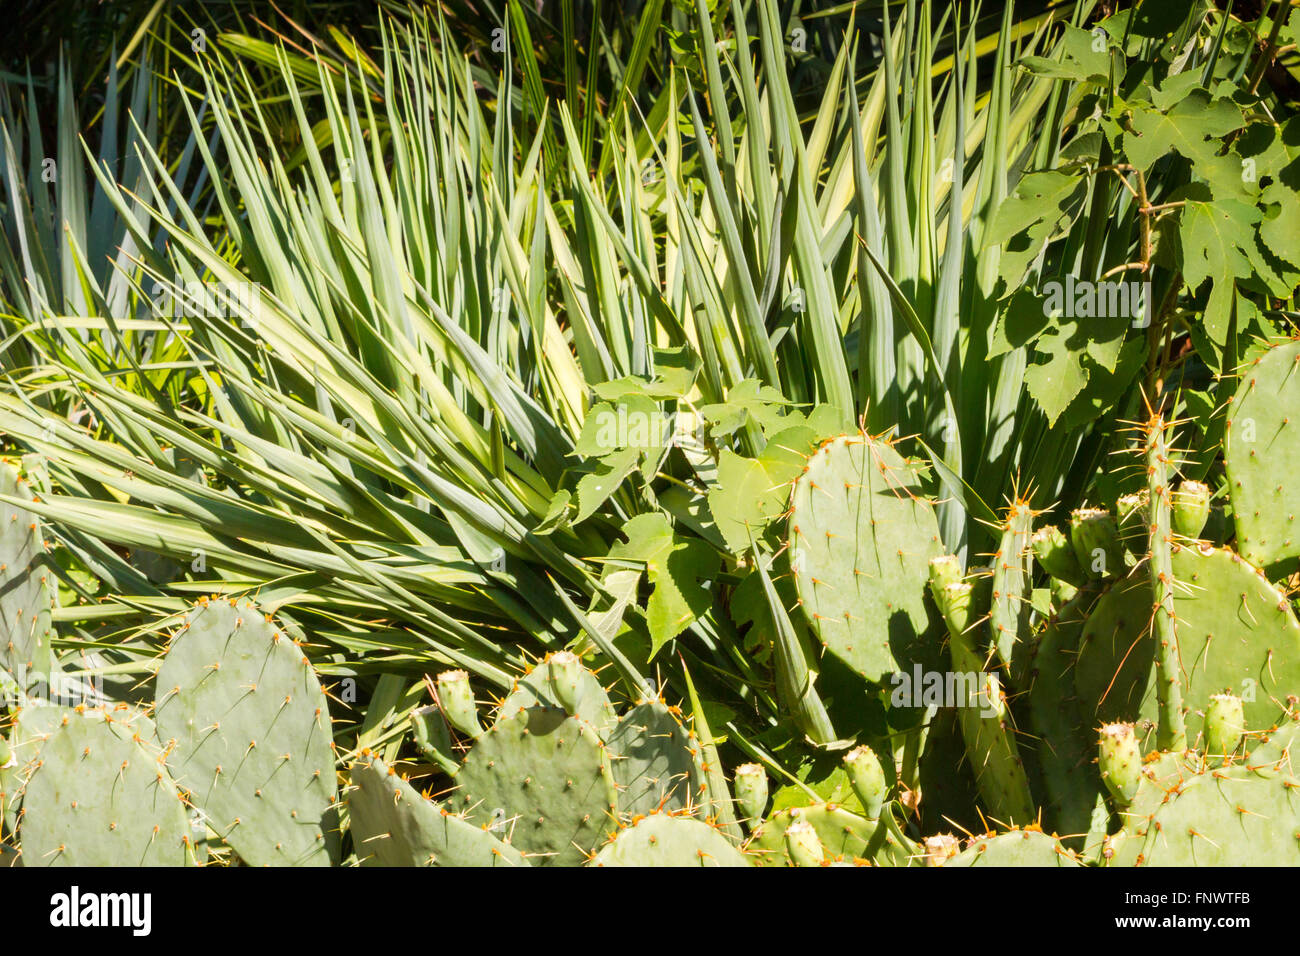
column 843, row 835
column 101, row 796
column 861, row 538
column 1261, row 446
column 1227, row 817
column 27, row 587
column 656, row 763
column 1014, row 848
column 663, row 839
column 251, row 732
column 548, row 776
column 538, row 687
column 1236, row 634
column 393, row 825
column 1061, row 741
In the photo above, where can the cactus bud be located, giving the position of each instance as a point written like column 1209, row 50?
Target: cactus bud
column 566, row 679
column 457, row 701
column 1095, row 538
column 1190, row 508
column 1120, row 761
column 955, row 604
column 944, row 570
column 868, row 779
column 1225, row 722
column 939, row 849
column 802, row 844
column 429, row 731
column 1056, row 555
column 750, row 783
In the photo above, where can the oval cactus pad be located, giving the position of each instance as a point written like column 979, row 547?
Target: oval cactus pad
column 861, row 539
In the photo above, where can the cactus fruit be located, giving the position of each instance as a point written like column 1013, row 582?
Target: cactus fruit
column 1260, row 448
column 664, row 839
column 1119, row 758
column 1236, row 632
column 430, row 736
column 1225, row 722
column 860, row 536
column 394, row 825
column 1191, row 508
column 1094, row 535
column 802, row 844
column 548, row 776
column 456, row 698
column 248, row 728
column 750, row 784
column 655, row 765
column 101, row 796
column 27, row 587
column 955, row 604
column 868, row 779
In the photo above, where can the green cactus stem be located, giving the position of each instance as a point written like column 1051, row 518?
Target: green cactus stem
column 1172, row 728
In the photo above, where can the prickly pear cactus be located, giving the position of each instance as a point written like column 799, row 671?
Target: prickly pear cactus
column 861, row 536
column 27, row 586
column 1236, row 634
column 1261, row 446
column 1010, row 607
column 545, row 683
column 656, row 764
column 1219, row 817
column 546, row 776
column 1027, row 847
column 843, row 836
column 394, row 825
column 248, row 730
column 667, row 839
column 100, row 795
column 1062, row 743
column 32, row 725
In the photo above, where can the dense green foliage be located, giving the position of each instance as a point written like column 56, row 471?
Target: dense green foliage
column 613, row 413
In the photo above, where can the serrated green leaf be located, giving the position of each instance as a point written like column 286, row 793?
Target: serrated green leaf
column 681, row 570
